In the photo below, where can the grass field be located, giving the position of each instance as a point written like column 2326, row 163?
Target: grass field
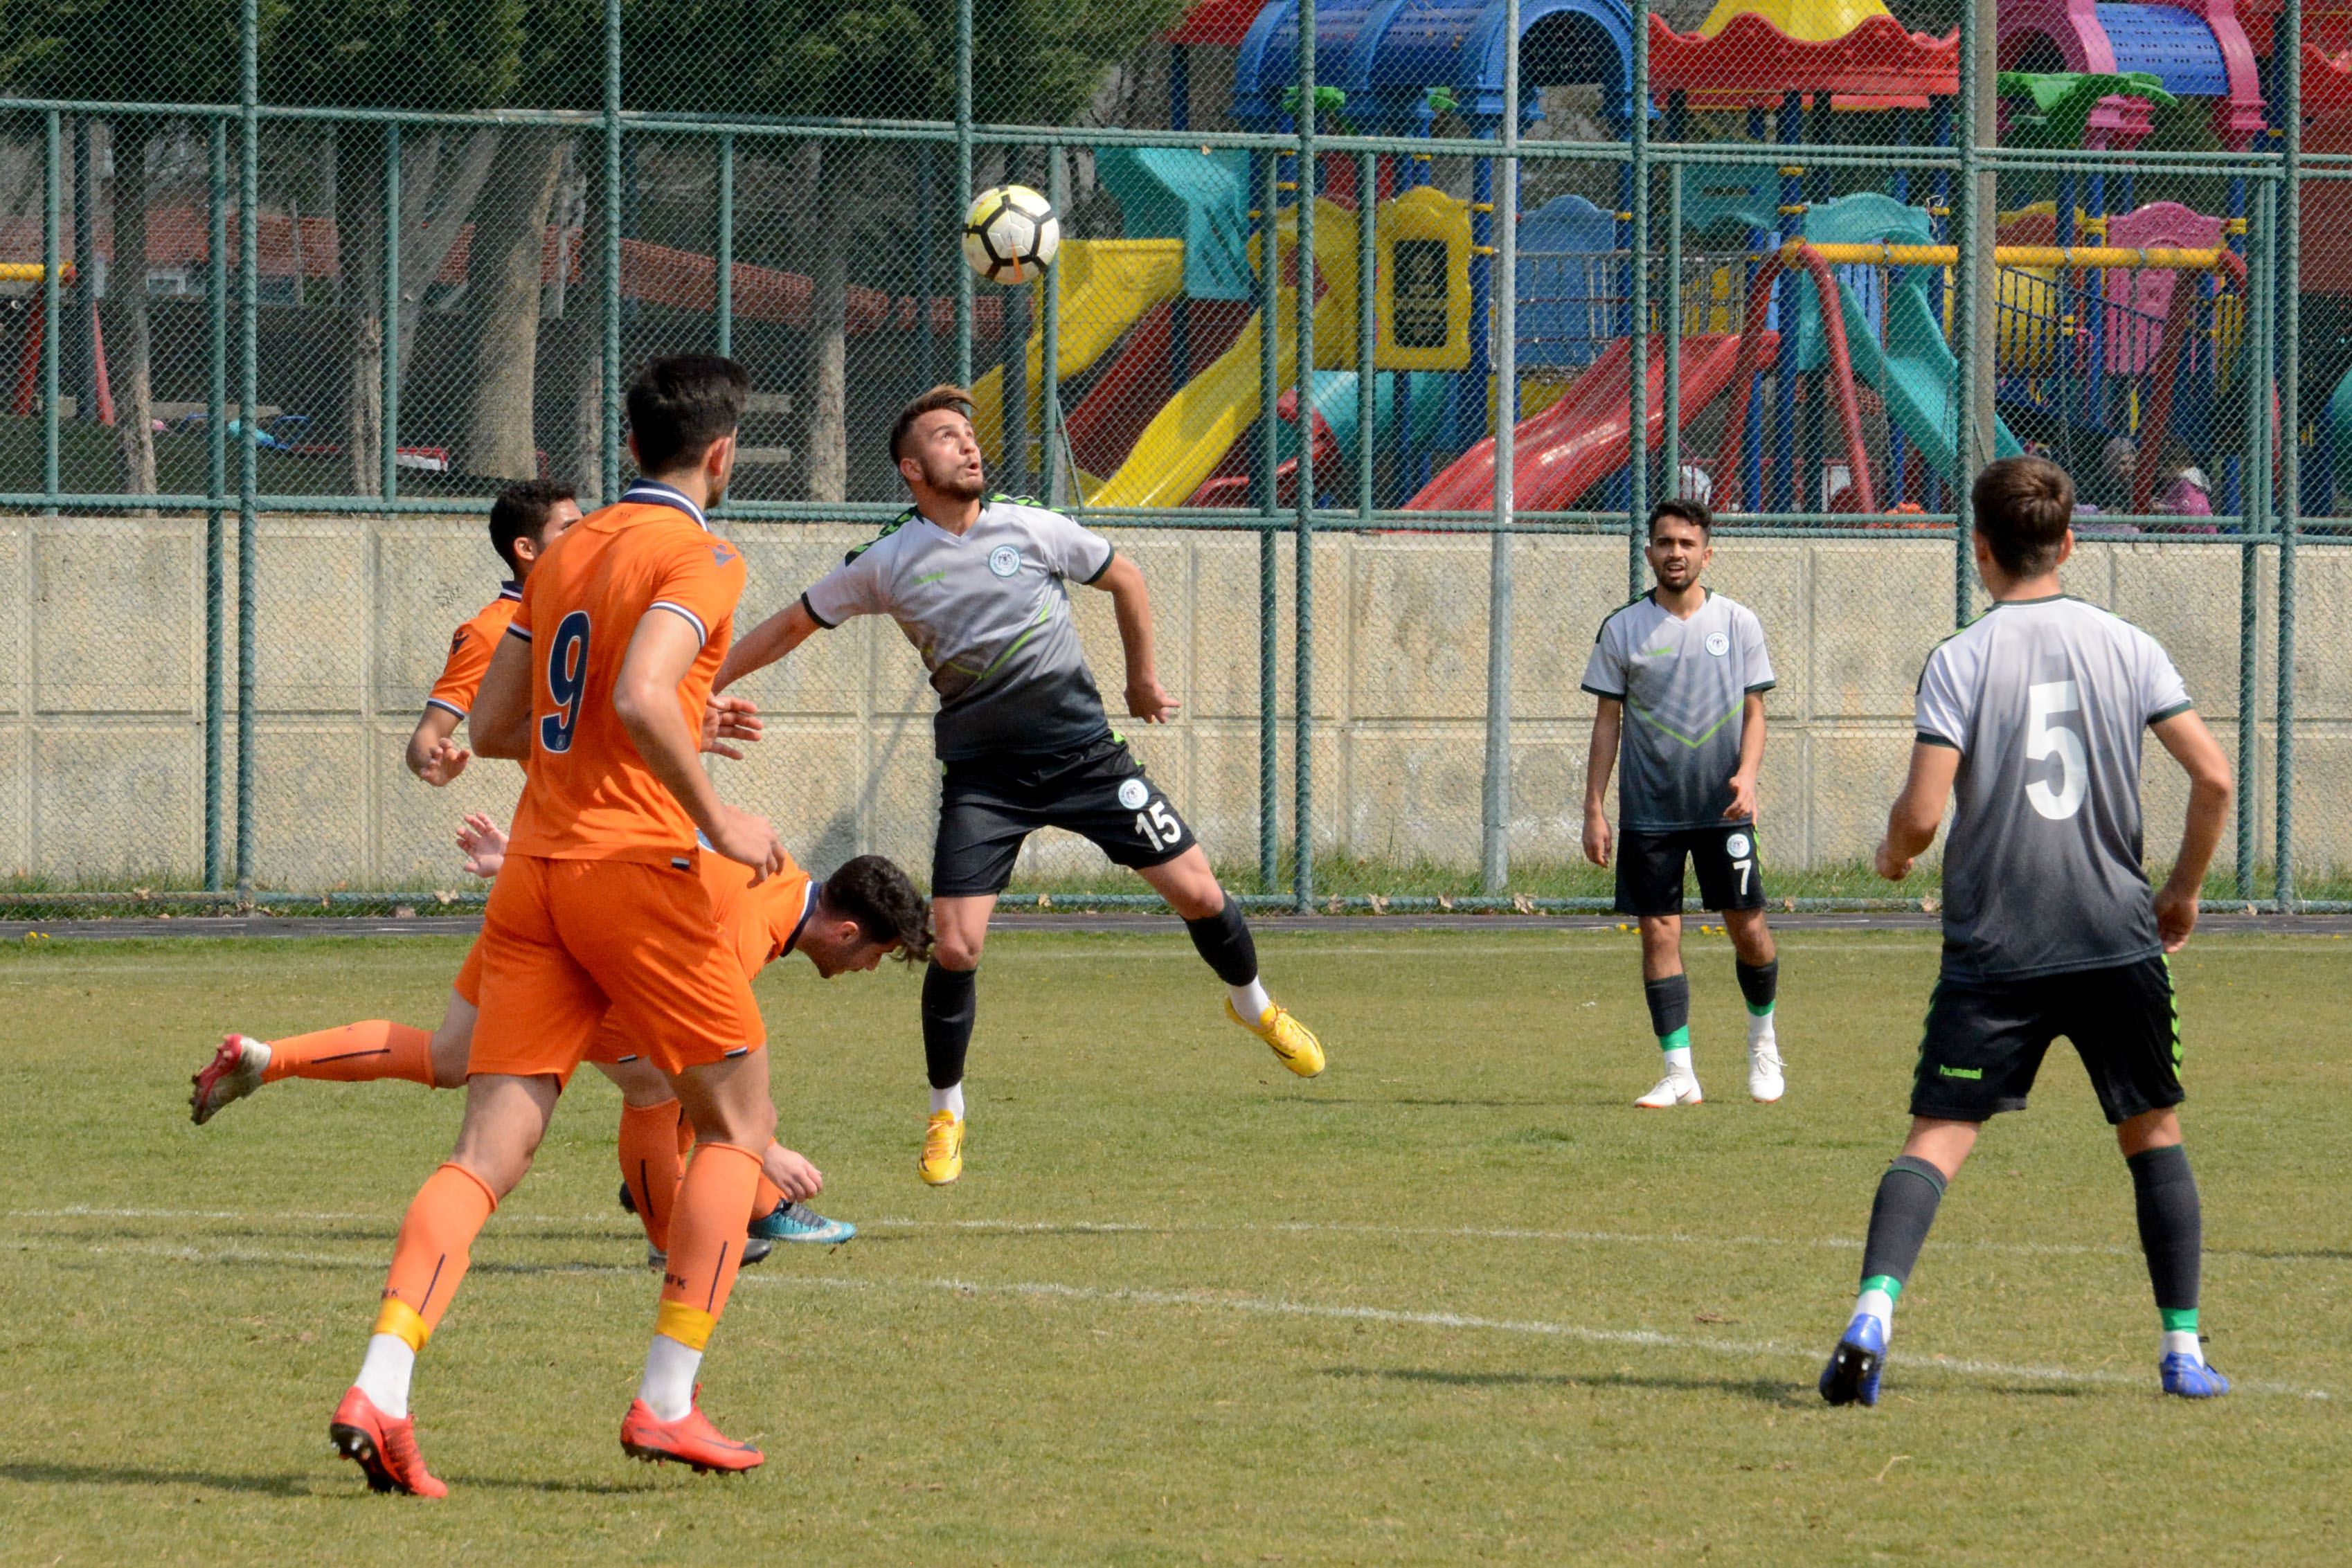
column 1453, row 1301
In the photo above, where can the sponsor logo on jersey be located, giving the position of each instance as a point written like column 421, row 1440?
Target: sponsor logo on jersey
column 1717, row 644
column 1004, row 560
column 1133, row 793
column 1737, row 846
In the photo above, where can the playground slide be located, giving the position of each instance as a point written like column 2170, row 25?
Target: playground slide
column 1915, row 372
column 1107, row 287
column 1564, row 451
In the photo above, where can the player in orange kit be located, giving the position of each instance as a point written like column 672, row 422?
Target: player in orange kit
column 603, row 682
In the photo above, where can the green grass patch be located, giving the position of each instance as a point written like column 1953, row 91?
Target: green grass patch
column 1454, row 1301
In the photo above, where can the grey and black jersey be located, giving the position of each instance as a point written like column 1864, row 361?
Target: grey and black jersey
column 1684, row 684
column 989, row 612
column 2047, row 701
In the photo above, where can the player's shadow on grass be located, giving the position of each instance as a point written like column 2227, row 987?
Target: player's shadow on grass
column 1764, row 1390
column 47, row 1472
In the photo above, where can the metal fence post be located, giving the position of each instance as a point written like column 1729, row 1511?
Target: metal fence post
column 216, row 488
column 52, row 297
column 1049, row 344
column 963, row 185
column 722, row 301
column 1972, row 288
column 1302, row 761
column 610, row 435
column 2250, row 489
column 85, row 249
column 2289, row 481
column 248, row 380
column 1269, row 169
column 1495, row 808
column 1368, row 176
column 388, row 484
column 1637, row 333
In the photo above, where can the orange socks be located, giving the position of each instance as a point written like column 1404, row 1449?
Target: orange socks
column 437, row 1238
column 355, row 1054
column 651, row 1163
column 706, row 1241
column 766, row 1198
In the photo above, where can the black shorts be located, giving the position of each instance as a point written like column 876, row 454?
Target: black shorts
column 989, row 805
column 1985, row 1040
column 1650, row 869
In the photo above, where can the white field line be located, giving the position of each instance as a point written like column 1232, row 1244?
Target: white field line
column 518, row 1223
column 1641, row 1339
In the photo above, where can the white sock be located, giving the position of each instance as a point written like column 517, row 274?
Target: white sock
column 1760, row 1030
column 252, row 1045
column 1679, row 1062
column 2183, row 1342
column 667, row 1388
column 384, row 1376
column 1878, row 1304
column 1251, row 1001
column 950, row 1098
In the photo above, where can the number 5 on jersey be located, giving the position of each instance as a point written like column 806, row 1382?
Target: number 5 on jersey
column 567, row 681
column 2043, row 738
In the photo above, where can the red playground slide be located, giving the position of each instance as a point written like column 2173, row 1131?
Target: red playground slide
column 1581, row 440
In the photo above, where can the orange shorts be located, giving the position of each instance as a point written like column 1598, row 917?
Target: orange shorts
column 607, row 1047
column 565, row 943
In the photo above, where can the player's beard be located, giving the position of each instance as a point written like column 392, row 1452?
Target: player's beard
column 955, row 486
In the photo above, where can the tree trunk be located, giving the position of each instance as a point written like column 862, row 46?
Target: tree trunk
column 359, row 241
column 502, row 277
column 828, row 426
column 580, row 461
column 135, row 426
column 431, row 221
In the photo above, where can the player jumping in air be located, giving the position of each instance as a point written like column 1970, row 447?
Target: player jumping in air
column 2029, row 720
column 602, row 681
column 1680, row 676
column 977, row 583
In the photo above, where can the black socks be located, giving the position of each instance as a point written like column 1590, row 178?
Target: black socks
column 2171, row 1224
column 1669, row 1002
column 950, row 998
column 1900, row 1217
column 1759, row 984
column 1224, row 943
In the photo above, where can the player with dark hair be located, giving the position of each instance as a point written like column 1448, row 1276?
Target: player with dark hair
column 524, row 521
column 600, row 918
column 2030, row 721
column 1690, row 669
column 977, row 583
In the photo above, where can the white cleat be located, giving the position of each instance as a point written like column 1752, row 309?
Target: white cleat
column 234, row 1072
column 1765, row 1083
column 1673, row 1089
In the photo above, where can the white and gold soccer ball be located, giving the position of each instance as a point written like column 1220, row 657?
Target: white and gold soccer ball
column 1010, row 233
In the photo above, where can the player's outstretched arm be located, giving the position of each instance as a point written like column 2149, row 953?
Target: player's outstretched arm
column 432, row 755
column 1608, row 720
column 765, row 643
column 1130, row 602
column 2199, row 755
column 1918, row 811
column 645, row 696
column 500, row 720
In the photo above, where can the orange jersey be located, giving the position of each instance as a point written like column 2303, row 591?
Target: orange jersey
column 589, row 795
column 470, row 649
column 760, row 921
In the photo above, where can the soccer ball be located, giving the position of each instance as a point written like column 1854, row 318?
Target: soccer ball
column 1010, row 233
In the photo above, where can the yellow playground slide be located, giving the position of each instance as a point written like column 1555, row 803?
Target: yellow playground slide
column 1107, row 285
column 1193, row 431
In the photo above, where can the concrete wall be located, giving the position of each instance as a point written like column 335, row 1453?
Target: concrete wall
column 101, row 692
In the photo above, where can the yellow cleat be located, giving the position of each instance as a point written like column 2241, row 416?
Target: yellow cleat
column 942, row 1159
column 1294, row 1044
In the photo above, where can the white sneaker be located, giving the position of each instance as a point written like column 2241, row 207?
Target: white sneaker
column 1673, row 1089
column 1765, row 1083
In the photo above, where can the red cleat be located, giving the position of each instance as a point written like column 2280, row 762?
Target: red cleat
column 385, row 1449
column 691, row 1439
column 234, row 1072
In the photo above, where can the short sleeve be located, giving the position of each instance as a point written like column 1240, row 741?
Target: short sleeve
column 461, row 678
column 1941, row 716
column 700, row 577
column 1604, row 671
column 2163, row 694
column 1067, row 550
column 1753, row 656
column 853, row 588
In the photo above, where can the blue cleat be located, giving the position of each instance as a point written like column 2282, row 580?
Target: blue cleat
column 792, row 1221
column 2192, row 1379
column 1852, row 1372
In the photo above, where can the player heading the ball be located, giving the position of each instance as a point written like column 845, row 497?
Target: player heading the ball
column 1680, row 674
column 2029, row 720
column 977, row 583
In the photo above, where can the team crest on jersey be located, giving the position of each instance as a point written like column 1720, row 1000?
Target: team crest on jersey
column 1133, row 793
column 1004, row 560
column 1717, row 644
column 1737, row 846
